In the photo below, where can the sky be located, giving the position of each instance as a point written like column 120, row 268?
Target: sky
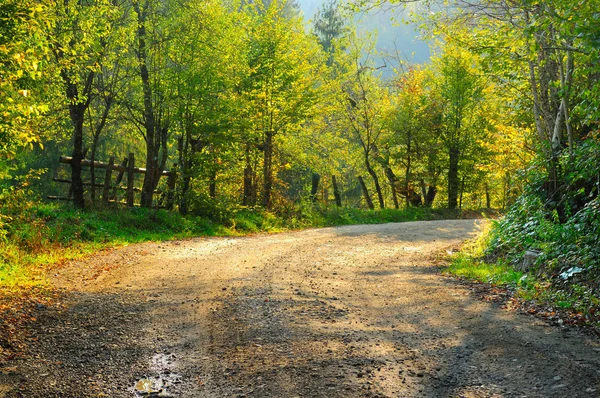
column 390, row 36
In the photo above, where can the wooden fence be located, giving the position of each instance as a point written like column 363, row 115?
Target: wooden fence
column 109, row 187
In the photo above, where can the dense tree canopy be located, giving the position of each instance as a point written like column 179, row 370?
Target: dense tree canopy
column 250, row 108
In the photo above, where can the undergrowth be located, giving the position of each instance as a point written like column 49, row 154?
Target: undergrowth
column 477, row 261
column 558, row 222
column 35, row 237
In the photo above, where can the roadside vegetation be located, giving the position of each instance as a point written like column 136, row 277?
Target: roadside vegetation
column 559, row 279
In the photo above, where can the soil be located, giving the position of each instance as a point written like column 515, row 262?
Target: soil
column 358, row 311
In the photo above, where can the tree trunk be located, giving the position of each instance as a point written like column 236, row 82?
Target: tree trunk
column 77, row 112
column 428, row 193
column 130, row 180
column 171, row 183
column 376, row 182
column 255, row 184
column 431, row 192
column 185, row 189
column 247, row 199
column 93, row 172
column 487, row 196
column 423, row 191
column 78, row 104
column 268, row 169
column 316, row 178
column 462, row 190
column 212, row 185
column 336, row 192
column 391, row 176
column 408, row 169
column 149, row 116
column 97, row 132
column 365, row 191
column 453, row 182
column 384, row 162
column 185, row 161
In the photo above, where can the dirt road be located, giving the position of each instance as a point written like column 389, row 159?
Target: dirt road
column 356, row 311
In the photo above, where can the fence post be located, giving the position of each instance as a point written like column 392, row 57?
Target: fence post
column 130, row 179
column 106, row 191
column 119, row 179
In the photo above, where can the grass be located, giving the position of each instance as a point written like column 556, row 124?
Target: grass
column 469, row 264
column 41, row 236
column 499, row 274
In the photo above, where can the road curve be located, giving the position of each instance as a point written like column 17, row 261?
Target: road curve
column 356, row 311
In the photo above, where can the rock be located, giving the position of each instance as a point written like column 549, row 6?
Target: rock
column 529, row 259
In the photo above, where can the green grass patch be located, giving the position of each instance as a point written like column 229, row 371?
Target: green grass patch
column 40, row 236
column 470, row 264
column 465, row 266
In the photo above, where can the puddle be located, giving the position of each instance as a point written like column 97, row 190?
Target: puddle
column 161, row 365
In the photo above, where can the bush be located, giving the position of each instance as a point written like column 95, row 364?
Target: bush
column 565, row 228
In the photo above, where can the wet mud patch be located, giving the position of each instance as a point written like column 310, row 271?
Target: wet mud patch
column 163, row 381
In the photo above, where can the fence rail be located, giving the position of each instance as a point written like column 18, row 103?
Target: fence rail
column 103, row 165
column 126, row 170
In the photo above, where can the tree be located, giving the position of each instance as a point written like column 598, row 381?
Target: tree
column 363, row 102
column 414, row 121
column 543, row 52
column 22, row 47
column 207, row 66
column 81, row 40
column 280, row 90
column 329, row 25
column 155, row 116
column 461, row 93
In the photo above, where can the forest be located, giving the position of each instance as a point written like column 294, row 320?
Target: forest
column 234, row 113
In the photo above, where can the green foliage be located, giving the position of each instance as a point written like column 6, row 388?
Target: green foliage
column 500, row 274
column 567, row 233
column 519, row 229
column 22, row 47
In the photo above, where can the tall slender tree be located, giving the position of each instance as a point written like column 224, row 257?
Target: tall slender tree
column 281, row 91
column 81, row 39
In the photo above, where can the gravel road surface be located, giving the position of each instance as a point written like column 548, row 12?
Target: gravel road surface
column 357, row 311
